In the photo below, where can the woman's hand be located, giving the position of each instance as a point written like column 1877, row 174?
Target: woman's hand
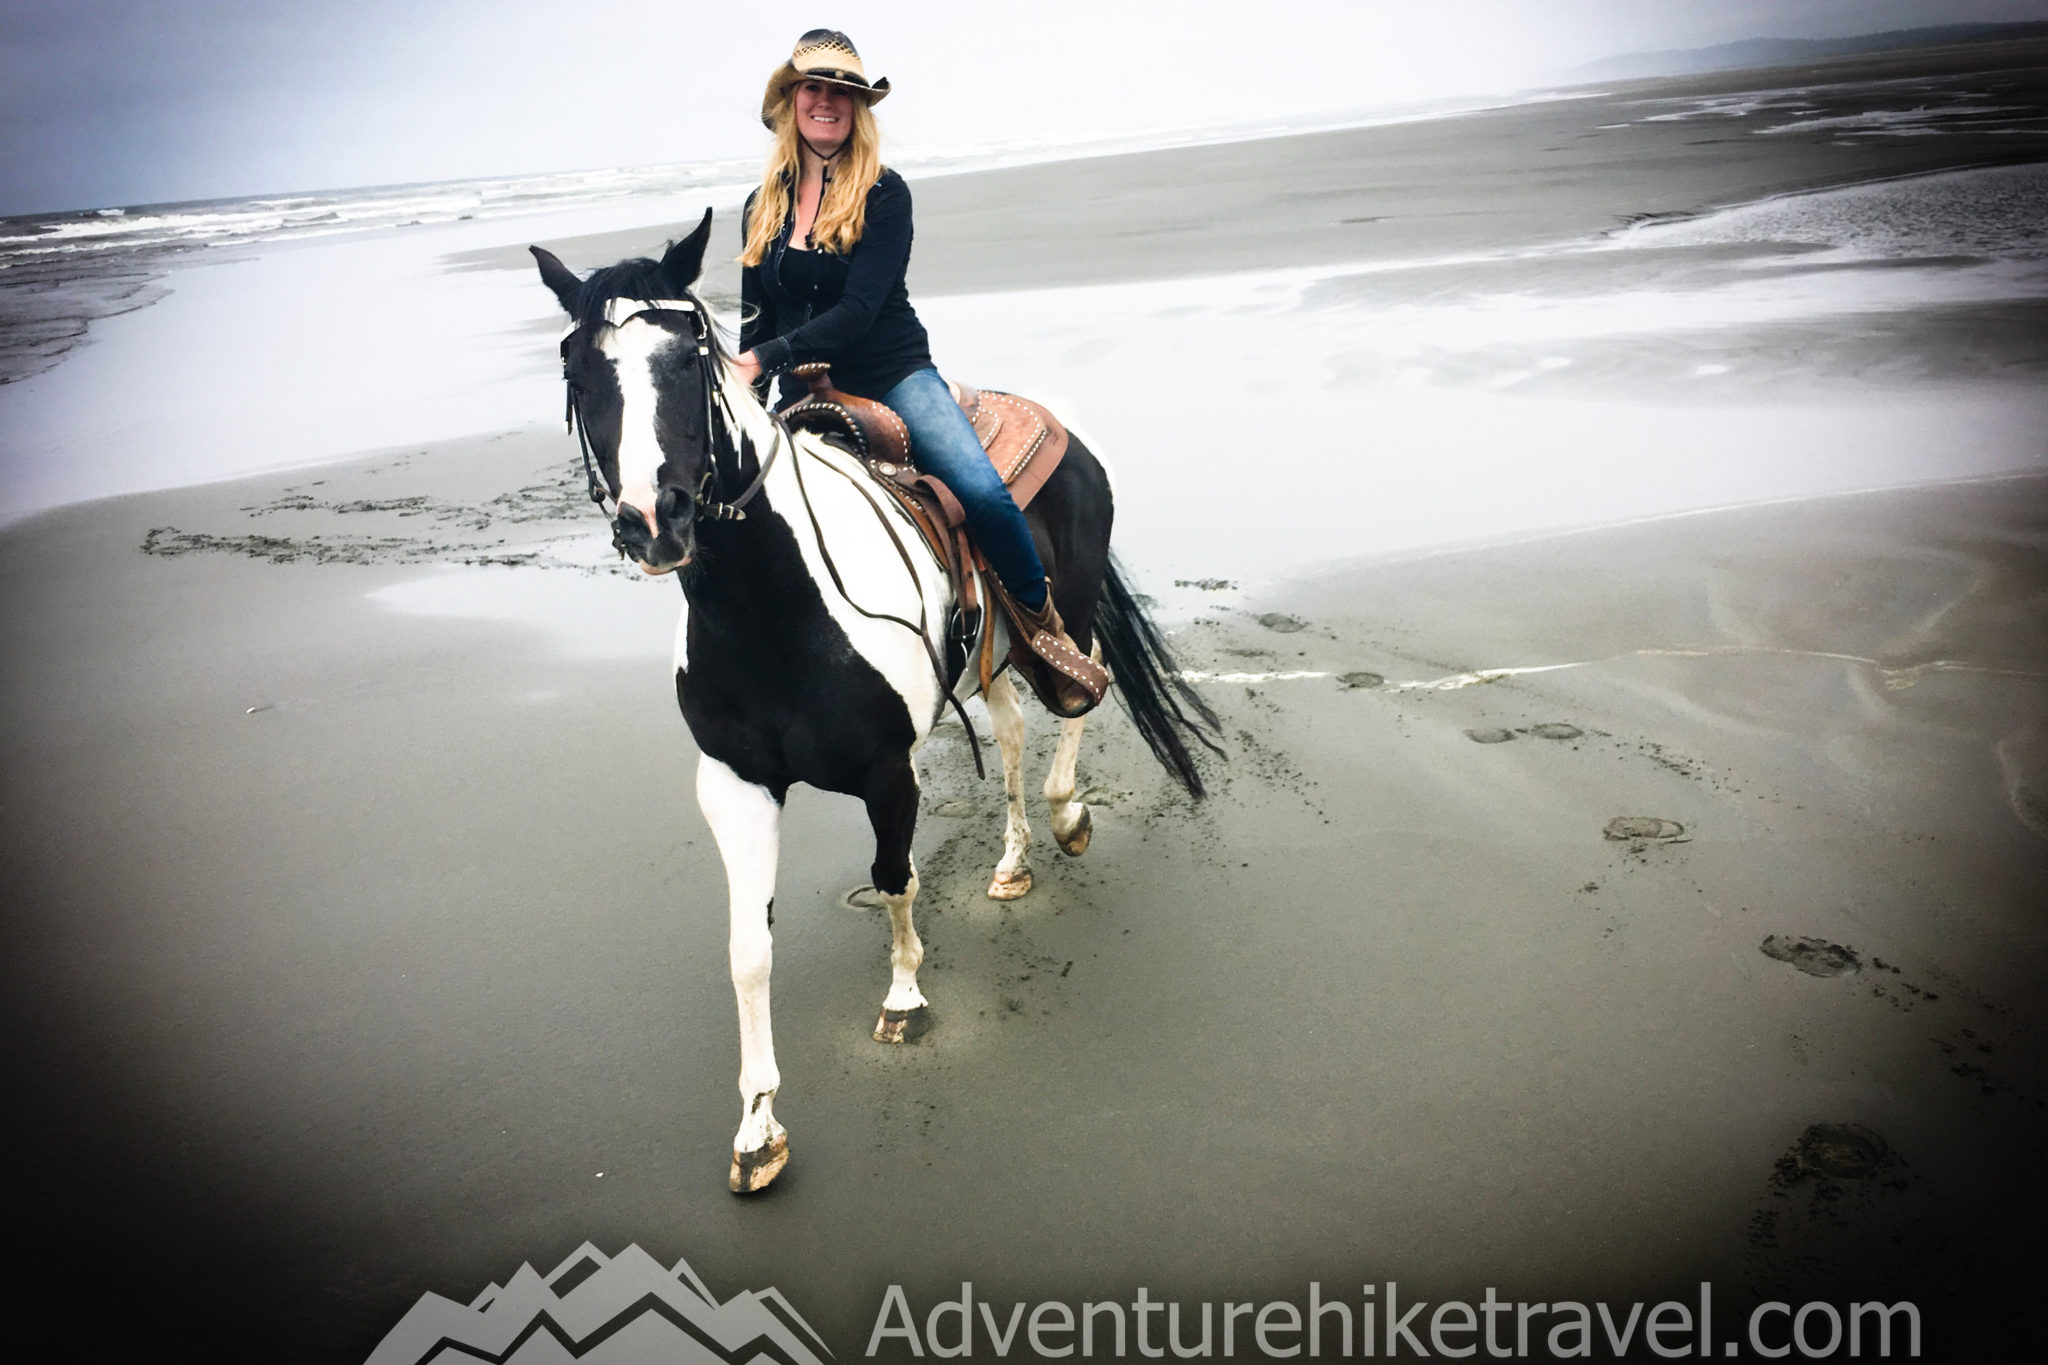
column 748, row 366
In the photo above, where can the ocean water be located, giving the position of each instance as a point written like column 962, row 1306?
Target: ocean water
column 1997, row 213
column 1914, row 106
column 269, row 220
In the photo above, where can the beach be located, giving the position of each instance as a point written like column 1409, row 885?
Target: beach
column 1613, row 530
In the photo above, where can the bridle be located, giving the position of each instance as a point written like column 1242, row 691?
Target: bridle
column 617, row 313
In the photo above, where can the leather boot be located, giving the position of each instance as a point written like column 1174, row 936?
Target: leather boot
column 1069, row 682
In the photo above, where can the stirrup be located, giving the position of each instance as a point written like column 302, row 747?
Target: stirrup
column 1070, row 683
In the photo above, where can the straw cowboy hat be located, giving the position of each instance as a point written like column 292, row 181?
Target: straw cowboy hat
column 823, row 54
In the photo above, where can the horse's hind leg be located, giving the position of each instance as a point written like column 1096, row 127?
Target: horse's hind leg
column 1072, row 826
column 747, row 822
column 1006, row 717
column 892, row 810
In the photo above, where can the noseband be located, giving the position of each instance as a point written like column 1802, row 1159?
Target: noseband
column 617, row 313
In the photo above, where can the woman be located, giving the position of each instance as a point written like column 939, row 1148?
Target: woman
column 827, row 243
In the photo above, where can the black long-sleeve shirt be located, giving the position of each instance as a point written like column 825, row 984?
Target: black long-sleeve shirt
column 852, row 311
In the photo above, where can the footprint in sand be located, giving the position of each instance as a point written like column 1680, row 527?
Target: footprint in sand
column 1626, row 827
column 1814, row 956
column 1348, row 681
column 1280, row 621
column 863, row 897
column 1844, row 1168
column 2023, row 760
column 1489, row 736
column 1843, row 1151
column 957, row 809
column 1555, row 729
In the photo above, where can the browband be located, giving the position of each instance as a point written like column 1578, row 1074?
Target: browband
column 619, row 312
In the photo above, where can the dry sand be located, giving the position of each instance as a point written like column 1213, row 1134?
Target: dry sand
column 363, row 940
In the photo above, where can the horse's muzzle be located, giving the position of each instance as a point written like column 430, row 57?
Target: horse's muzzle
column 665, row 545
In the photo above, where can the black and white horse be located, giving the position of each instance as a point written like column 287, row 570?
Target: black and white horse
column 811, row 646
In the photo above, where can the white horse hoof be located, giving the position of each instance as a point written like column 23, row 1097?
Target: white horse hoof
column 903, row 1026
column 756, row 1170
column 1009, row 886
column 1075, row 842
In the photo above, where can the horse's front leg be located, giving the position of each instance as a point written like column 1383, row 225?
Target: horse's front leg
column 747, row 822
column 892, row 810
column 1006, row 718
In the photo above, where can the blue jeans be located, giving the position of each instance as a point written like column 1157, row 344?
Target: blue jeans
column 942, row 442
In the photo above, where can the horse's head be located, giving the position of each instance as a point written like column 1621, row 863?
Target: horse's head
column 642, row 361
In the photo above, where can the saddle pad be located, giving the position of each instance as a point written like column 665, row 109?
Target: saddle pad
column 1024, row 441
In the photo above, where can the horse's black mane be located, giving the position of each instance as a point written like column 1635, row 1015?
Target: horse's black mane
column 638, row 278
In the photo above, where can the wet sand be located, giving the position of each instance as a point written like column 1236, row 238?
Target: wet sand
column 364, row 940
column 351, row 944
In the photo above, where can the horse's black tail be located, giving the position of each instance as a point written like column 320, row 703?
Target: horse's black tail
column 1156, row 695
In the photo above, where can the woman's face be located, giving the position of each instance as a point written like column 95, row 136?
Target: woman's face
column 824, row 115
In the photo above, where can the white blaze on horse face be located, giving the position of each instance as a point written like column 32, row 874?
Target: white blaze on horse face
column 632, row 349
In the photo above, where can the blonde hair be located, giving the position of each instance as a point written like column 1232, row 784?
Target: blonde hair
column 843, row 214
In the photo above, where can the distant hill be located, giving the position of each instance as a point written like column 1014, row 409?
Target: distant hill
column 1791, row 51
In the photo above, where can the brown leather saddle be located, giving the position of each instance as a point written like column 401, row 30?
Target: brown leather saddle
column 1024, row 442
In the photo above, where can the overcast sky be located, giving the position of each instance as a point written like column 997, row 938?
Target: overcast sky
column 106, row 102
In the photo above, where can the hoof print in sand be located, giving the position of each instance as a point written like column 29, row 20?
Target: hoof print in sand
column 1841, row 1151
column 956, row 809
column 1490, row 736
column 863, row 897
column 1814, row 956
column 1367, row 681
column 1623, row 828
column 1280, row 621
column 1555, row 729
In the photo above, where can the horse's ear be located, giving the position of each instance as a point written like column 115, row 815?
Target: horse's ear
column 558, row 277
column 685, row 259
